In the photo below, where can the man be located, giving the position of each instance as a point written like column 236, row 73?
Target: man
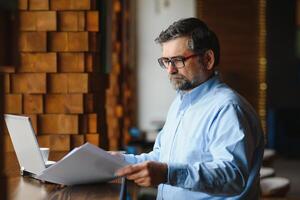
column 211, row 145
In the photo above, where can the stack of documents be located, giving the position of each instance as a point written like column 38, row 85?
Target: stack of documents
column 83, row 165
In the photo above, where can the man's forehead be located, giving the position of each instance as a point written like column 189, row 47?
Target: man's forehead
column 177, row 46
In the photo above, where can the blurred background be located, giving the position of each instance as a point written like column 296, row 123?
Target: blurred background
column 87, row 71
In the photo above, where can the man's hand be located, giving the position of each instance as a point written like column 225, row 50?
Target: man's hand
column 149, row 173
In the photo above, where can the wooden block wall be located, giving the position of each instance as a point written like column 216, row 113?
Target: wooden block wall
column 71, row 21
column 55, row 83
column 71, row 62
column 60, row 83
column 38, row 62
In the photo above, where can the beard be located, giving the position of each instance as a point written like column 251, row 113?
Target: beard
column 180, row 82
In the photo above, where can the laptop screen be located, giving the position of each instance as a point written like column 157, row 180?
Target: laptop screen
column 25, row 143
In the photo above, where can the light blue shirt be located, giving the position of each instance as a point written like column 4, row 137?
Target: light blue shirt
column 213, row 144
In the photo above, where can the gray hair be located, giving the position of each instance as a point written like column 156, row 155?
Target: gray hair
column 201, row 38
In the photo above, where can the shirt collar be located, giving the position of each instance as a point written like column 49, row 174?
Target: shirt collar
column 188, row 98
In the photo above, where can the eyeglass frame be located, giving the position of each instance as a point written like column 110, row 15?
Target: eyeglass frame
column 171, row 59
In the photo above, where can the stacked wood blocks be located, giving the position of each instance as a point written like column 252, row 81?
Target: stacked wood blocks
column 114, row 109
column 120, row 101
column 59, row 79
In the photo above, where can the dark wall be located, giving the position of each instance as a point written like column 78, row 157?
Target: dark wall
column 8, row 49
column 283, row 65
column 8, row 33
column 283, row 77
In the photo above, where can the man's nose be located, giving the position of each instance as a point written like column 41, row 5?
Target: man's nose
column 171, row 69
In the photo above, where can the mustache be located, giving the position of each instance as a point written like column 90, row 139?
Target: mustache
column 177, row 76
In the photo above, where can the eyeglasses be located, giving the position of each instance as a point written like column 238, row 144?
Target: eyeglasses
column 177, row 61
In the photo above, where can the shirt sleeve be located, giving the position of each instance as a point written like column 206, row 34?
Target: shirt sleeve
column 231, row 146
column 153, row 155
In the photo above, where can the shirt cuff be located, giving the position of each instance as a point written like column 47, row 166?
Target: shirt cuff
column 177, row 174
column 130, row 158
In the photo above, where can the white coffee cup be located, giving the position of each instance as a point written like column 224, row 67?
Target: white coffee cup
column 45, row 153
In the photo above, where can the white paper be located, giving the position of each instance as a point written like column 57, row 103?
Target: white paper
column 86, row 164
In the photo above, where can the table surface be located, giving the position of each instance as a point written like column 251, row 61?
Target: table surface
column 23, row 188
column 19, row 187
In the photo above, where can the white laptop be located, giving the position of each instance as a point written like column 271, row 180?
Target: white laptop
column 25, row 144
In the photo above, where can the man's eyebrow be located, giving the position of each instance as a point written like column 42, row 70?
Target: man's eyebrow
column 179, row 56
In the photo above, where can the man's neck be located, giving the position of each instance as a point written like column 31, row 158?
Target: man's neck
column 209, row 76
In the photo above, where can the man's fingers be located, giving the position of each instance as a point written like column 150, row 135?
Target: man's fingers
column 146, row 173
column 59, row 186
column 143, row 181
column 139, row 174
column 128, row 170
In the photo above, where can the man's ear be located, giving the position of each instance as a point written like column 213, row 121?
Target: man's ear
column 209, row 58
